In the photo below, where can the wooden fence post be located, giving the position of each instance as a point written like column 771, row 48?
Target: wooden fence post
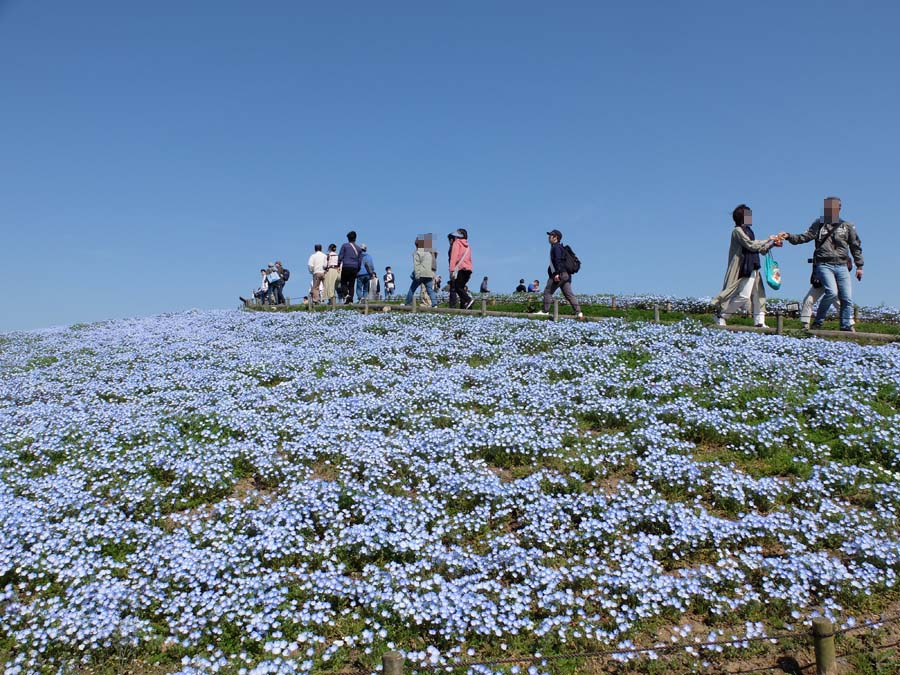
column 415, row 304
column 655, row 313
column 612, row 303
column 779, row 324
column 366, row 307
column 556, row 309
column 668, row 308
column 823, row 641
column 484, row 307
column 392, row 663
column 855, row 313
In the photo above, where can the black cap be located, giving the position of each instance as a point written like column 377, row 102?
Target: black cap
column 556, row 233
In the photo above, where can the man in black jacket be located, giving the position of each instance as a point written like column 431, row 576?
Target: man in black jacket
column 560, row 277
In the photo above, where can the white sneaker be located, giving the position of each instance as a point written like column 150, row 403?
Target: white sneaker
column 540, row 313
column 579, row 316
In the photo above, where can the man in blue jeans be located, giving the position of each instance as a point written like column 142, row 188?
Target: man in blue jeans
column 366, row 272
column 836, row 240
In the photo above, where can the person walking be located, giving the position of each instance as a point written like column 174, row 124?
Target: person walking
column 317, row 263
column 332, row 273
column 743, row 283
column 484, row 286
column 389, row 283
column 559, row 274
column 836, row 241
column 366, row 272
column 283, row 276
column 422, row 274
column 273, row 278
column 349, row 261
column 451, row 289
column 813, row 295
column 260, row 293
column 460, row 269
column 423, row 293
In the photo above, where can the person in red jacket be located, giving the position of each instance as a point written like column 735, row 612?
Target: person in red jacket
column 460, row 269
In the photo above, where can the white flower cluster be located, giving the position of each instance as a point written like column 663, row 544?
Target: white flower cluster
column 275, row 493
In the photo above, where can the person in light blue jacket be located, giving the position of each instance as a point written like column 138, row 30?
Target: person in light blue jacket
column 366, row 274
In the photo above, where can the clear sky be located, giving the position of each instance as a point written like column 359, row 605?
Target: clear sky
column 154, row 155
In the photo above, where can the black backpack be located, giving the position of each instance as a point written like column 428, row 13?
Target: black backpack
column 571, row 261
column 285, row 274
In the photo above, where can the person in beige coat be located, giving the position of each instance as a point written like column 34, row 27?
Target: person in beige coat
column 332, row 274
column 743, row 283
column 422, row 274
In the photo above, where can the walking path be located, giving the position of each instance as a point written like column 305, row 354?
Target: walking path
column 879, row 338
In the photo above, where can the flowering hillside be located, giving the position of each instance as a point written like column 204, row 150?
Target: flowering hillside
column 276, row 493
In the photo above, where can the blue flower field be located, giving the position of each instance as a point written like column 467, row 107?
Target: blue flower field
column 253, row 493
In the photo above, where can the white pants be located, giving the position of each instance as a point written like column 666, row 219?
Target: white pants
column 809, row 302
column 746, row 297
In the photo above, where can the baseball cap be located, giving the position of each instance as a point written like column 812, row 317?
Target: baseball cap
column 556, row 233
column 364, row 247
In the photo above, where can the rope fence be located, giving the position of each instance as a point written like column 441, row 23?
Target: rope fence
column 483, row 311
column 821, row 638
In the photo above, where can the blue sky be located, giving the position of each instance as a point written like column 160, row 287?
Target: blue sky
column 154, row 155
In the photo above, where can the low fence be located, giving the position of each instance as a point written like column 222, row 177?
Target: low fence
column 820, row 640
column 483, row 310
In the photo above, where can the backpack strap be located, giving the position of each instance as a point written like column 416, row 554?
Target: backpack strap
column 467, row 254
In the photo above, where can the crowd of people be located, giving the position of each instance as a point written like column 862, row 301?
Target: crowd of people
column 349, row 275
column 273, row 277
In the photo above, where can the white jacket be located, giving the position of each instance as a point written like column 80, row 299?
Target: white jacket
column 317, row 262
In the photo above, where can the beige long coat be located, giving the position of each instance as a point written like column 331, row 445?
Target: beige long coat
column 739, row 243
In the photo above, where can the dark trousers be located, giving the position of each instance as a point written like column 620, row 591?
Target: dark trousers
column 565, row 284
column 458, row 288
column 348, row 281
column 272, row 295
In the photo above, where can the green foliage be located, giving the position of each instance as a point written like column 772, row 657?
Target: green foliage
column 242, row 467
column 41, row 362
column 564, row 375
column 161, row 475
column 111, row 397
column 273, row 380
column 593, row 420
column 632, row 358
column 479, row 360
column 118, row 550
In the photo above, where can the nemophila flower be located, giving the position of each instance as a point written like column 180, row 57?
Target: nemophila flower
column 309, row 488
